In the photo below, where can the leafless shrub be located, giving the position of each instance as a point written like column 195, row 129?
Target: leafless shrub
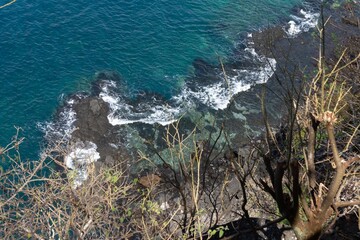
column 309, row 165
column 38, row 202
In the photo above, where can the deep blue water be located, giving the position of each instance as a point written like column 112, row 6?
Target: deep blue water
column 50, row 48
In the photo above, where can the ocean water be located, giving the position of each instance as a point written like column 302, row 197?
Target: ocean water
column 50, row 49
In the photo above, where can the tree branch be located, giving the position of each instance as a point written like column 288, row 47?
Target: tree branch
column 312, row 129
column 340, row 171
column 347, row 203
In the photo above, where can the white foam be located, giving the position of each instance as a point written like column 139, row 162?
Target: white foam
column 219, row 95
column 302, row 23
column 63, row 127
column 123, row 113
column 250, row 39
column 79, row 157
column 155, row 117
column 216, row 95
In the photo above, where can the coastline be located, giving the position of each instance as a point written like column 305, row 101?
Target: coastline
column 241, row 120
column 264, row 145
column 242, row 117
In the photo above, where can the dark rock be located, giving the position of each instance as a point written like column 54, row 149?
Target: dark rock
column 93, row 125
column 95, row 107
column 91, row 122
column 266, row 39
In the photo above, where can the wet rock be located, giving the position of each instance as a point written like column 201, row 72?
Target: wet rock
column 95, row 107
column 92, row 123
column 266, row 39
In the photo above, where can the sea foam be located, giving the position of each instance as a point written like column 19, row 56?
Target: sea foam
column 220, row 94
column 123, row 112
column 303, row 23
column 216, row 95
column 80, row 156
column 61, row 129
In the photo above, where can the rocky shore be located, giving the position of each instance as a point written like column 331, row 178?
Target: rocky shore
column 241, row 120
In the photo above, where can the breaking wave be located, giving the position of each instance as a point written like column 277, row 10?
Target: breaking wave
column 61, row 129
column 151, row 109
column 306, row 20
column 216, row 95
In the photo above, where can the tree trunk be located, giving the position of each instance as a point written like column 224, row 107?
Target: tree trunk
column 308, row 231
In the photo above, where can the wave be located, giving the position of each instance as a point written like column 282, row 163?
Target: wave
column 62, row 127
column 219, row 95
column 306, row 20
column 125, row 111
column 151, row 108
column 216, row 95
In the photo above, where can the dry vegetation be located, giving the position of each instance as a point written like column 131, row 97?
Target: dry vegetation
column 306, row 173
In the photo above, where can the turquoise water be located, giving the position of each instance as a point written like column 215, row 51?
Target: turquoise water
column 50, row 48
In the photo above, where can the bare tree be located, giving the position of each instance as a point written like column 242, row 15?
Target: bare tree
column 38, row 201
column 308, row 199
